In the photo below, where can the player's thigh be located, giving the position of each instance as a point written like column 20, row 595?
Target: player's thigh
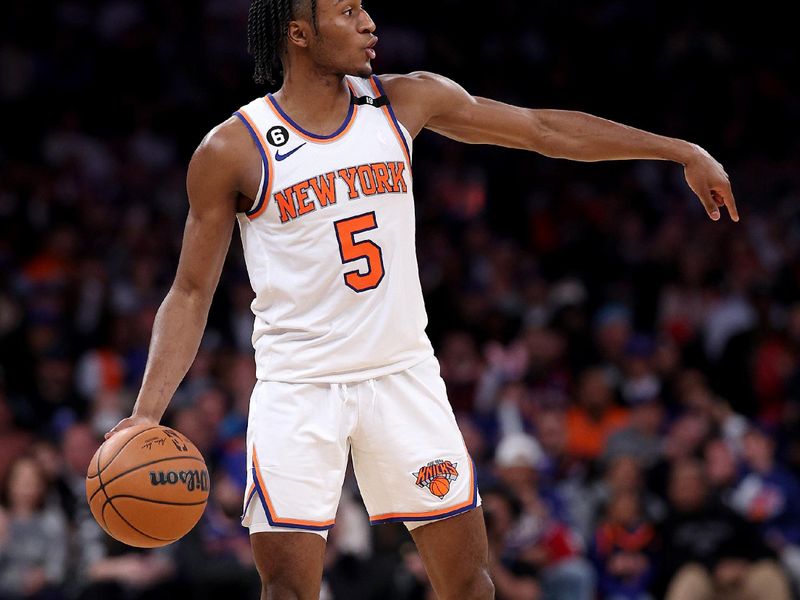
column 409, row 456
column 297, row 455
column 412, row 466
column 456, row 555
column 290, row 564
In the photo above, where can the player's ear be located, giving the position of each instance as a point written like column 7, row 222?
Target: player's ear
column 298, row 33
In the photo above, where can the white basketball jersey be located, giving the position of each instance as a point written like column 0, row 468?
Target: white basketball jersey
column 329, row 245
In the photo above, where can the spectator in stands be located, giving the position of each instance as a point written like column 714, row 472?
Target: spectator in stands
column 124, row 572
column 721, row 469
column 685, row 436
column 559, row 471
column 768, row 496
column 708, row 551
column 13, row 441
column 623, row 475
column 613, row 329
column 33, row 536
column 594, row 417
column 624, row 550
column 642, row 437
column 542, row 537
column 78, row 445
column 66, row 466
column 513, row 579
column 558, row 465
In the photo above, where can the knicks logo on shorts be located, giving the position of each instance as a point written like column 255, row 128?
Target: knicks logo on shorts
column 436, row 476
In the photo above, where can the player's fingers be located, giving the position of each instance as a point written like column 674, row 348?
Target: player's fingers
column 130, row 422
column 125, row 423
column 725, row 195
column 708, row 201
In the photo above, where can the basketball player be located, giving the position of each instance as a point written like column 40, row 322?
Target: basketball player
column 319, row 178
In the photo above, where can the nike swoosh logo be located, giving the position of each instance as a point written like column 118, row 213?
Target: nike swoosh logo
column 279, row 157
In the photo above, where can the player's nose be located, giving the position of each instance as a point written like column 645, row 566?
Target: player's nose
column 367, row 25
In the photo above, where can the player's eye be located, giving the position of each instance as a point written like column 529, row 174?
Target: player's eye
column 348, row 12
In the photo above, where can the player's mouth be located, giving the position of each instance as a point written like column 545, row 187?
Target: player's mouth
column 370, row 49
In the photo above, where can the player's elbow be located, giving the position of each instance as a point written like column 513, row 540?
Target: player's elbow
column 566, row 134
column 543, row 135
column 191, row 293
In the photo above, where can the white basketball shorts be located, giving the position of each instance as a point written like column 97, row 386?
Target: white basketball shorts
column 408, row 453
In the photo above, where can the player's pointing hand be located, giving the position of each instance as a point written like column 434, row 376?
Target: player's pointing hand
column 709, row 181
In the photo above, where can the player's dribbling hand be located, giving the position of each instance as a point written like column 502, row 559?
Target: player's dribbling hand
column 709, row 181
column 132, row 421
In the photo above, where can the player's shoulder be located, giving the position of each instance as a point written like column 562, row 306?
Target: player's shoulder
column 225, row 141
column 415, row 83
column 419, row 96
column 227, row 150
column 223, row 159
column 423, row 92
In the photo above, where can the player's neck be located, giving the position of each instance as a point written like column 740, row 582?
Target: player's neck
column 318, row 102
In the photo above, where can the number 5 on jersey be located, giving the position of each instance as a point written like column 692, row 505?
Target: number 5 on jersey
column 351, row 251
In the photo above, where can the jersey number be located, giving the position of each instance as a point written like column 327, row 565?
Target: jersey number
column 350, row 250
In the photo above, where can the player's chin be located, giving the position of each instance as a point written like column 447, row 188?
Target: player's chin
column 364, row 71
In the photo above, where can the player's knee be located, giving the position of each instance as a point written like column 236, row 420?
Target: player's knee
column 485, row 586
column 289, row 564
column 477, row 587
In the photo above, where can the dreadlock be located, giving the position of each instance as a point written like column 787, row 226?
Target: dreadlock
column 267, row 26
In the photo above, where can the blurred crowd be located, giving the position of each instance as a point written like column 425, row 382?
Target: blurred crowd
column 625, row 372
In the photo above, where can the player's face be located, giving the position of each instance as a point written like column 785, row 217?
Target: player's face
column 345, row 40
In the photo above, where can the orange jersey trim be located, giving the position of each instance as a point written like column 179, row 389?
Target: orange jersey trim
column 307, row 135
column 392, row 122
column 272, row 516
column 263, row 201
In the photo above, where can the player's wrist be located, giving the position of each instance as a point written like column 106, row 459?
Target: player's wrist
column 144, row 415
column 684, row 152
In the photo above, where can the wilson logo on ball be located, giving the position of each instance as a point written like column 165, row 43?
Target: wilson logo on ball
column 193, row 480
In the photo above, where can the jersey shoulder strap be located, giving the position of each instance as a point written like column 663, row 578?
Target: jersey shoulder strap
column 255, row 116
column 375, row 95
column 364, row 94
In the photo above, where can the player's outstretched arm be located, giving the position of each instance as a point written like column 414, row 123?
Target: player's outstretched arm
column 425, row 100
column 181, row 319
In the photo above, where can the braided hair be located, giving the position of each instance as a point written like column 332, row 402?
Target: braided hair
column 267, row 26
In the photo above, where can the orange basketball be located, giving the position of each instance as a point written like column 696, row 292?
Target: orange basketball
column 147, row 486
column 440, row 486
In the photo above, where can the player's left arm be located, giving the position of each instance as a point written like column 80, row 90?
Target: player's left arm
column 428, row 101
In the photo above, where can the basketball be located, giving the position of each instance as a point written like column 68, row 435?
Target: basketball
column 440, row 486
column 147, row 486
